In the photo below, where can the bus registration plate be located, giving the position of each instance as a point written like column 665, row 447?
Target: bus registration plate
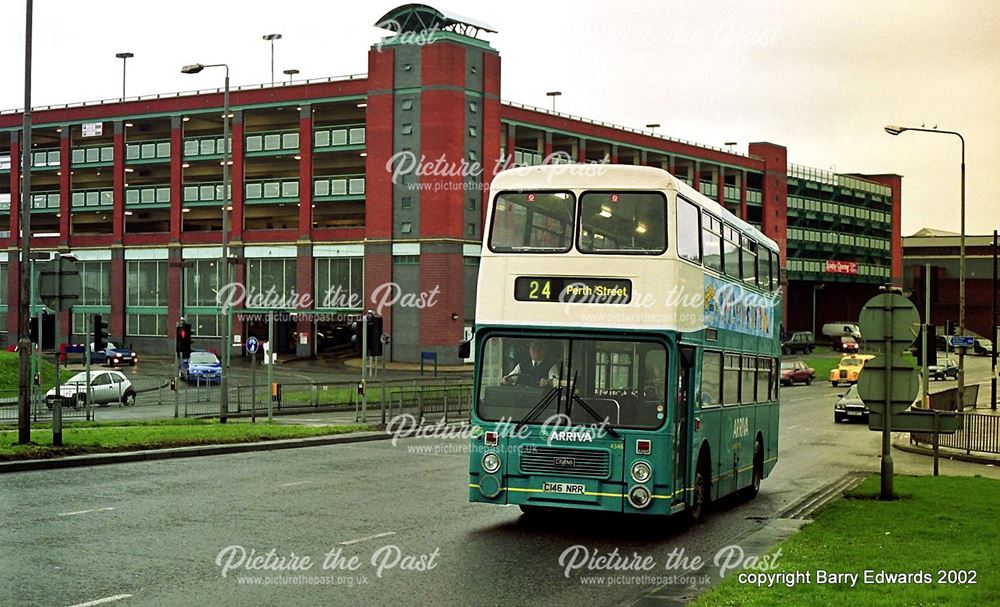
column 570, row 488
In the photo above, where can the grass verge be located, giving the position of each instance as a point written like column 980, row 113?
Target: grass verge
column 110, row 437
column 10, row 374
column 942, row 523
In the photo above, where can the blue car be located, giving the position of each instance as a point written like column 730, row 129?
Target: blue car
column 201, row 367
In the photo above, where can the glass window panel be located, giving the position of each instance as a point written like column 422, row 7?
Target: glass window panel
column 206, row 147
column 107, row 154
column 255, row 191
column 339, row 187
column 131, row 152
column 272, row 189
column 272, row 141
column 106, row 198
column 131, row 196
column 190, row 148
column 731, row 253
column 206, row 192
column 149, row 150
column 289, row 189
column 289, row 141
column 688, row 231
column 357, row 185
column 190, row 193
column 79, row 199
column 711, row 240
column 731, row 380
column 148, row 195
column 163, row 149
column 322, row 187
column 540, row 221
column 321, row 139
column 255, row 143
column 749, row 380
column 163, row 195
column 357, row 136
column 93, row 199
column 93, row 155
column 627, row 222
column 339, row 137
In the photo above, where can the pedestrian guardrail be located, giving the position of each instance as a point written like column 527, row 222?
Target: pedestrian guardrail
column 979, row 433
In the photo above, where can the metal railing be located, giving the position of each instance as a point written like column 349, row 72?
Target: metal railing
column 979, row 433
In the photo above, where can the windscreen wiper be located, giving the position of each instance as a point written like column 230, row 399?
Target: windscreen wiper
column 552, row 394
column 573, row 398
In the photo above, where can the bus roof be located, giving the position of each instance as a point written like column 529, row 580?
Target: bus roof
column 614, row 176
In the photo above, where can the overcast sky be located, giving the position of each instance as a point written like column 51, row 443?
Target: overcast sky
column 821, row 78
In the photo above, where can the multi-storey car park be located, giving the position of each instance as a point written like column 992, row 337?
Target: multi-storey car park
column 314, row 209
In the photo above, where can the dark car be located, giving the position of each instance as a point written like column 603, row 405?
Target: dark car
column 796, row 371
column 850, row 406
column 201, row 368
column 848, row 345
column 946, row 368
column 799, row 342
column 113, row 356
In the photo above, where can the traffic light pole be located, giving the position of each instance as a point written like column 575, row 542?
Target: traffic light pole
column 924, row 379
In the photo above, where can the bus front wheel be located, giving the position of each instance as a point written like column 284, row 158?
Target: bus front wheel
column 702, row 488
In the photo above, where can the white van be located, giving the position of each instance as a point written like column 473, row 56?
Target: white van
column 842, row 328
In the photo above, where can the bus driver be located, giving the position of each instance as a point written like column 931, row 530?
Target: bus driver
column 537, row 371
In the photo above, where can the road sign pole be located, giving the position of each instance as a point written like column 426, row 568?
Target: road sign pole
column 886, row 429
column 924, row 379
column 364, row 366
column 270, row 365
column 57, row 406
column 253, row 388
column 86, row 366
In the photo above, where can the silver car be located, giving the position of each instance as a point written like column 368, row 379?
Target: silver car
column 106, row 387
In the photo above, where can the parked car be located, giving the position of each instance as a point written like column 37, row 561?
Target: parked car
column 796, row 371
column 848, row 345
column 201, row 367
column 850, row 406
column 799, row 342
column 849, row 369
column 982, row 347
column 106, row 387
column 113, row 356
column 946, row 368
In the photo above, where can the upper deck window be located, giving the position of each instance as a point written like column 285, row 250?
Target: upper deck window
column 623, row 222
column 535, row 222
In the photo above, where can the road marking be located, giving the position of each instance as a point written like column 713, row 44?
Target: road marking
column 86, row 512
column 370, row 537
column 292, row 484
column 793, row 427
column 107, row 599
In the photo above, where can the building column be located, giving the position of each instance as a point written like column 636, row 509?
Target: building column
column 13, row 290
column 511, row 143
column 65, row 188
column 305, row 172
column 304, row 285
column 236, row 178
column 614, row 153
column 118, row 179
column 581, row 151
column 774, row 204
column 175, row 286
column 547, row 153
column 176, row 178
column 743, row 197
column 720, row 188
column 116, row 294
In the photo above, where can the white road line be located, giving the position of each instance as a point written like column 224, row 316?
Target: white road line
column 86, row 512
column 292, row 484
column 370, row 537
column 793, row 427
column 107, row 599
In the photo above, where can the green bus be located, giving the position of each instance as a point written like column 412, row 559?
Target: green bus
column 626, row 343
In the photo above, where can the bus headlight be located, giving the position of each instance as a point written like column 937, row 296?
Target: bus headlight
column 639, row 497
column 491, row 462
column 641, row 472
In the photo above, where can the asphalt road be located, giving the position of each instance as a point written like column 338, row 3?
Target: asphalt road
column 155, row 530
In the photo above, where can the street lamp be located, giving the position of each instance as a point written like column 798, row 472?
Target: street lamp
column 291, row 72
column 124, row 57
column 896, row 130
column 271, row 38
column 818, row 287
column 224, row 378
column 653, row 126
column 554, row 94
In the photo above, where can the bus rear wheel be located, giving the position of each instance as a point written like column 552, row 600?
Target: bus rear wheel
column 758, row 470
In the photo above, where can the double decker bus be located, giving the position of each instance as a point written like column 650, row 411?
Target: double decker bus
column 626, row 343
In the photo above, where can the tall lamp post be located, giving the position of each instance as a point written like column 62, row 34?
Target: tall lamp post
column 24, row 347
column 227, row 321
column 553, row 94
column 290, row 72
column 124, row 57
column 271, row 38
column 896, row 130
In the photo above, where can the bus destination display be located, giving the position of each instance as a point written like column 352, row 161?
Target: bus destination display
column 573, row 289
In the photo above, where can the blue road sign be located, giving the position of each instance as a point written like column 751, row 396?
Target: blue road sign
column 252, row 345
column 961, row 341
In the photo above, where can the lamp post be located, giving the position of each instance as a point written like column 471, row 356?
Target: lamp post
column 653, row 126
column 124, row 57
column 227, row 321
column 271, row 38
column 896, row 130
column 554, row 94
column 24, row 347
column 818, row 287
column 291, row 72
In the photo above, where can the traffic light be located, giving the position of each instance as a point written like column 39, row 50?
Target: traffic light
column 33, row 330
column 100, row 333
column 918, row 346
column 184, row 339
column 375, row 336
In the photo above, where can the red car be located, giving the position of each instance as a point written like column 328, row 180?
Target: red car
column 848, row 345
column 797, row 371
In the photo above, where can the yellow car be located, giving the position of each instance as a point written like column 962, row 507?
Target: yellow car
column 849, row 369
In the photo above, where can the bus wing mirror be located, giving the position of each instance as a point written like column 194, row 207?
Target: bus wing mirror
column 464, row 349
column 687, row 357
